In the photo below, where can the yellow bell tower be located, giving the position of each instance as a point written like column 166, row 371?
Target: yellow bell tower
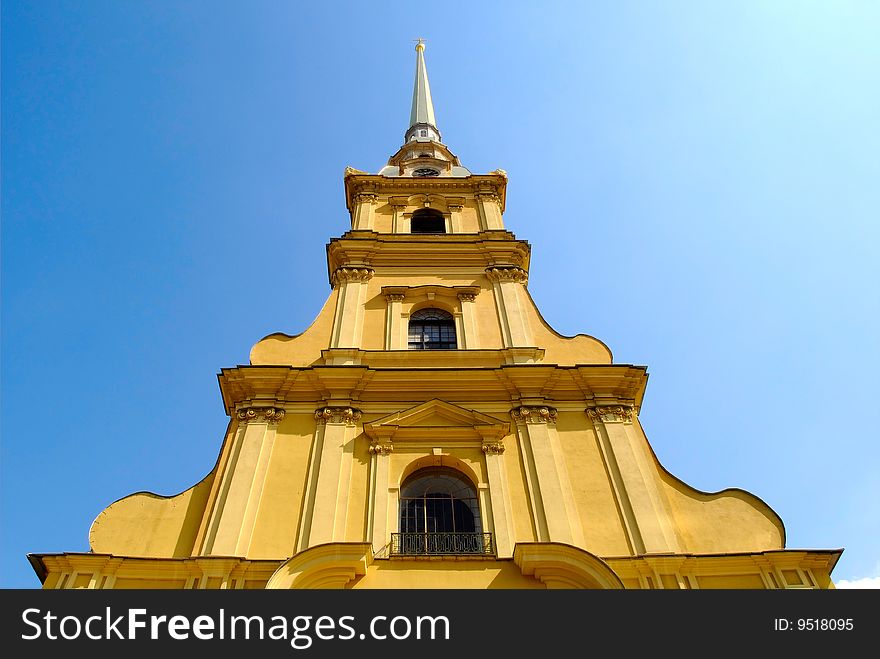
column 430, row 430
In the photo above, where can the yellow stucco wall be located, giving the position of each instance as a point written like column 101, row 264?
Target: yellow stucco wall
column 300, row 349
column 146, row 524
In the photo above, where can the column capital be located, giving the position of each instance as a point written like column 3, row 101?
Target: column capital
column 348, row 416
column 260, row 414
column 493, row 448
column 347, row 273
column 534, row 414
column 394, row 297
column 467, row 297
column 610, row 413
column 488, row 196
column 507, row 273
column 379, row 447
column 362, row 197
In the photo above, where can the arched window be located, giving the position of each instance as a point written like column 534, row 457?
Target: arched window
column 432, row 329
column 427, row 220
column 440, row 514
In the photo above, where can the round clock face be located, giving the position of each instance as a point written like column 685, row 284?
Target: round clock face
column 426, row 171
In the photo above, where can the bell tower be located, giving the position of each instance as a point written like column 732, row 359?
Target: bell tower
column 430, row 411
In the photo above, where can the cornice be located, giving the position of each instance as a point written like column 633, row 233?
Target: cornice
column 589, row 386
column 368, row 249
column 494, row 183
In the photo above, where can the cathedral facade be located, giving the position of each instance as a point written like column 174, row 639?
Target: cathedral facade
column 431, row 430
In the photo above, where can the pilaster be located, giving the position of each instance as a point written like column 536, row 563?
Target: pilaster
column 455, row 206
column 393, row 331
column 468, row 321
column 549, row 485
column 643, row 506
column 241, row 488
column 507, row 282
column 489, row 206
column 499, row 497
column 398, row 206
column 329, row 482
column 348, row 324
column 362, row 217
column 379, row 506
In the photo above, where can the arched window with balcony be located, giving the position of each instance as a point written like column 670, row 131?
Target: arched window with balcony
column 432, row 329
column 440, row 514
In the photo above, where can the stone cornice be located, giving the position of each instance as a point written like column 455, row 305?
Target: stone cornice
column 479, row 376
column 260, row 414
column 610, row 413
column 357, row 182
column 348, row 416
column 534, row 414
column 477, row 251
column 507, row 273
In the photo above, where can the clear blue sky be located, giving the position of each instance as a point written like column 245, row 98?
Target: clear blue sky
column 700, row 183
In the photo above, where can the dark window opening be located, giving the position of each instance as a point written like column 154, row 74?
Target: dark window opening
column 432, row 329
column 440, row 514
column 439, row 500
column 427, row 220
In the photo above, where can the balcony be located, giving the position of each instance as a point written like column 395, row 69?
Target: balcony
column 442, row 544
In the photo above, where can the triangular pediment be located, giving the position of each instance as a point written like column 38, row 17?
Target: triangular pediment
column 437, row 414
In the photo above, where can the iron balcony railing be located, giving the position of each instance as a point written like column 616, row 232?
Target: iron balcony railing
column 435, row 544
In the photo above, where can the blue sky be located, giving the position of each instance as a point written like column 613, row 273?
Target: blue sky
column 698, row 181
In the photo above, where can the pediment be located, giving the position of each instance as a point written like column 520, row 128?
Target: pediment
column 437, row 416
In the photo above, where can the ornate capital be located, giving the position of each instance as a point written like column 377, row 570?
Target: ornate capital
column 528, row 414
column 488, row 196
column 364, row 197
column 350, row 274
column 338, row 415
column 493, row 448
column 507, row 273
column 610, row 413
column 381, row 448
column 260, row 414
column 394, row 297
column 467, row 297
column 455, row 208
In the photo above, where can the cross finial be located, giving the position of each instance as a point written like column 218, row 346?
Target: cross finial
column 420, row 44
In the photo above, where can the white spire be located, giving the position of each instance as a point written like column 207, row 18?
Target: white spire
column 422, row 124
